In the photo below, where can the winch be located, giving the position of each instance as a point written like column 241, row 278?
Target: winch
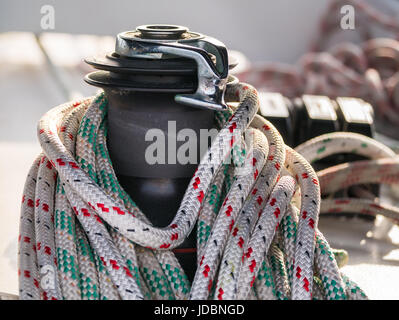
column 168, row 78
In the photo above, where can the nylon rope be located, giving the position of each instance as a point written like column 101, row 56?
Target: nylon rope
column 83, row 237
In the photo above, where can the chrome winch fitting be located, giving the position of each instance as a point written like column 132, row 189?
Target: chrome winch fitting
column 161, row 57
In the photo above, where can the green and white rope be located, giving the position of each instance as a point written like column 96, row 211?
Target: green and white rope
column 83, row 237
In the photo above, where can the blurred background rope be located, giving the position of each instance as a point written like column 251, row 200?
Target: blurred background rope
column 367, row 67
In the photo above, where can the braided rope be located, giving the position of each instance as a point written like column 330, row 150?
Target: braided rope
column 253, row 242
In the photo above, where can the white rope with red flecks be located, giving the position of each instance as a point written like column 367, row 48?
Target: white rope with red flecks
column 260, row 245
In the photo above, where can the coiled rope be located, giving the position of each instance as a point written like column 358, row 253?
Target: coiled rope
column 83, row 237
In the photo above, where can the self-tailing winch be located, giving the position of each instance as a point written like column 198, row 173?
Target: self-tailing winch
column 167, row 58
column 155, row 75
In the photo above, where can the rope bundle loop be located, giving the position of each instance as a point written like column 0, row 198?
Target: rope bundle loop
column 83, row 237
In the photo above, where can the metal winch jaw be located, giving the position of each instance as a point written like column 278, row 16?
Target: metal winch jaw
column 165, row 43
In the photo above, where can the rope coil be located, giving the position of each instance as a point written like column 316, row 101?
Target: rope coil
column 83, row 237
